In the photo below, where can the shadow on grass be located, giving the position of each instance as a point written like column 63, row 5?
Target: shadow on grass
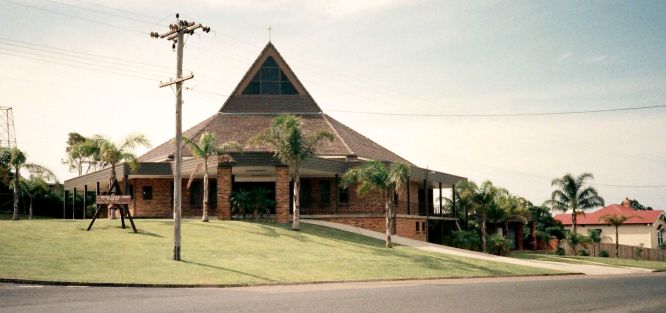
column 228, row 270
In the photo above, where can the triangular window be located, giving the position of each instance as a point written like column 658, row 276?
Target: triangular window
column 270, row 80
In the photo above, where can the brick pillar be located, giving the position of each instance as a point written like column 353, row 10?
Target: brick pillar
column 282, row 194
column 223, row 191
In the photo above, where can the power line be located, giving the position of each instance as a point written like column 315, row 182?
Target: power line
column 78, row 57
column 75, row 17
column 502, row 114
column 102, row 12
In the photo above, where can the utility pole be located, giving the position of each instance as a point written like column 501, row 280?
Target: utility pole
column 176, row 33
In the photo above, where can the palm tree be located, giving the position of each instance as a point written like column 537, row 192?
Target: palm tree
column 110, row 154
column 484, row 200
column 465, row 190
column 241, row 200
column 203, row 150
column 595, row 238
column 375, row 175
column 291, row 147
column 514, row 207
column 573, row 195
column 17, row 162
column 33, row 187
column 615, row 220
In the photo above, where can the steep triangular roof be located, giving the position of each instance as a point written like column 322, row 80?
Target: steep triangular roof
column 243, row 100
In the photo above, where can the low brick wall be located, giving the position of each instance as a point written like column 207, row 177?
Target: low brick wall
column 405, row 227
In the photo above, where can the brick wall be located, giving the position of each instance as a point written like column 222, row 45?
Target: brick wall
column 161, row 204
column 405, row 227
column 224, row 192
column 282, row 194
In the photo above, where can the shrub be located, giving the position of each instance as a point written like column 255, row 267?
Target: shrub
column 662, row 245
column 603, row 253
column 469, row 240
column 639, row 250
column 584, row 253
column 560, row 251
column 498, row 245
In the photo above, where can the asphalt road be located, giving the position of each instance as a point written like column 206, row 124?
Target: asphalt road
column 616, row 293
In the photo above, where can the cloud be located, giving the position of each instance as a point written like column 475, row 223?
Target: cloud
column 565, row 56
column 602, row 58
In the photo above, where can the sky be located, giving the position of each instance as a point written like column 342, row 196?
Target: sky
column 89, row 66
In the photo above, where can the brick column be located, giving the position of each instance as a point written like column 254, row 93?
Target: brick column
column 282, row 194
column 223, row 191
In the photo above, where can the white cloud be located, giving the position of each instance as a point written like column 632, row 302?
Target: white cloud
column 565, row 56
column 601, row 58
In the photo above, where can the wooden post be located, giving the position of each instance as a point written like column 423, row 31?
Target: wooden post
column 64, row 202
column 73, row 203
column 441, row 207
column 337, row 189
column 425, row 191
column 409, row 201
column 454, row 209
column 85, row 194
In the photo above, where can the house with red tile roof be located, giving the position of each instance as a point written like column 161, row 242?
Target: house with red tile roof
column 642, row 227
column 270, row 88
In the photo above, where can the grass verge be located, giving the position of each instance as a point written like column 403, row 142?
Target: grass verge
column 654, row 265
column 218, row 252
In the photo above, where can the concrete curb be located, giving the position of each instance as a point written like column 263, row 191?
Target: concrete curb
column 145, row 285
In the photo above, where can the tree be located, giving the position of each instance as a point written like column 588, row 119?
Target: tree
column 18, row 163
column 203, row 150
column 615, row 220
column 387, row 180
column 634, row 204
column 291, row 147
column 81, row 151
column 33, row 187
column 111, row 154
column 595, row 238
column 241, row 200
column 573, row 195
column 484, row 200
column 464, row 190
column 513, row 207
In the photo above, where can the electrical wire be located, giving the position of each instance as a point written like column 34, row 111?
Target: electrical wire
column 503, row 114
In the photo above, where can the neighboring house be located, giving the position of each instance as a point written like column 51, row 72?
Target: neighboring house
column 643, row 227
column 270, row 88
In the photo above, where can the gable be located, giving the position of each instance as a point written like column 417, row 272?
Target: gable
column 270, row 80
column 270, row 86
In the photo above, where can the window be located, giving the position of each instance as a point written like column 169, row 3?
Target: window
column 147, row 192
column 343, row 195
column 270, row 80
column 423, row 226
column 395, row 198
column 324, row 193
column 417, row 227
column 306, row 194
column 196, row 194
column 660, row 237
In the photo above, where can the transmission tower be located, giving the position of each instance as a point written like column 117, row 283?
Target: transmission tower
column 7, row 132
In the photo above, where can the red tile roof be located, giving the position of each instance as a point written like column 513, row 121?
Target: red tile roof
column 593, row 218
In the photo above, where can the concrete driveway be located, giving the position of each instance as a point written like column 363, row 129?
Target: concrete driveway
column 587, row 269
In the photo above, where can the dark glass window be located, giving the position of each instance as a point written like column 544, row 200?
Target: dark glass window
column 417, row 227
column 147, row 192
column 306, row 193
column 270, row 80
column 212, row 194
column 196, row 193
column 325, row 192
column 343, row 195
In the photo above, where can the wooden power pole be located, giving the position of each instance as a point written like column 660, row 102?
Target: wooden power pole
column 176, row 33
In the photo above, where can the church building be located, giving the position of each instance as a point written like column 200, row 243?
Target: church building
column 270, row 88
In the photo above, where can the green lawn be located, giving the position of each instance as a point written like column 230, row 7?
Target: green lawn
column 229, row 252
column 655, row 265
